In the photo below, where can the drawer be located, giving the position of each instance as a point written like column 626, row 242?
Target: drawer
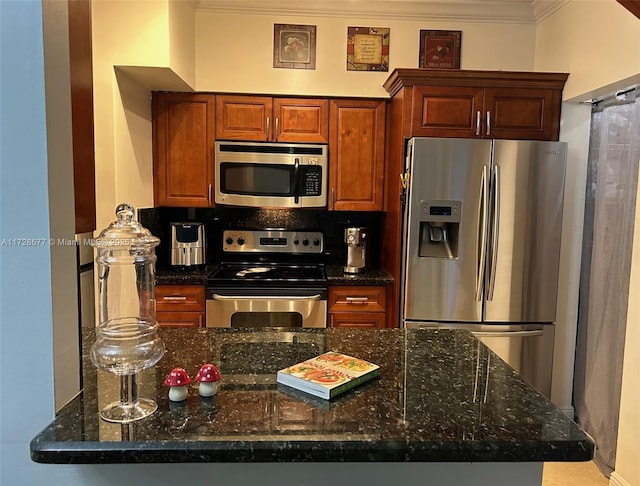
column 180, row 298
column 180, row 319
column 357, row 319
column 357, row 299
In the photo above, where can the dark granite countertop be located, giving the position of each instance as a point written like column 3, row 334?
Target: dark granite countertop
column 375, row 276
column 335, row 276
column 441, row 397
column 196, row 275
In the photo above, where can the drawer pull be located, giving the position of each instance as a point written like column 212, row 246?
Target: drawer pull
column 175, row 297
column 357, row 300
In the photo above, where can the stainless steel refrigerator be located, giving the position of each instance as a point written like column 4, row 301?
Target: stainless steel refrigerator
column 481, row 245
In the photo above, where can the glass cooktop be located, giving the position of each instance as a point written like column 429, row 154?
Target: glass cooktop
column 265, row 273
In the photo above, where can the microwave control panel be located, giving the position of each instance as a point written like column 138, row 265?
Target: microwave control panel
column 311, row 180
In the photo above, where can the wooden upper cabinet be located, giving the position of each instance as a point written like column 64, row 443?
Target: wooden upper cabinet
column 480, row 104
column 81, row 80
column 183, row 129
column 518, row 113
column 356, row 154
column 243, row 117
column 445, row 111
column 301, row 120
column 263, row 118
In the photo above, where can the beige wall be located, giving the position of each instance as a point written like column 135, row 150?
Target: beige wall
column 234, row 53
column 138, row 45
column 627, row 470
column 182, row 48
column 596, row 41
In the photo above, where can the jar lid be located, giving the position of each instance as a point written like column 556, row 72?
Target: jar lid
column 125, row 232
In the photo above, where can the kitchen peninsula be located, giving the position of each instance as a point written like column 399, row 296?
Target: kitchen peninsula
column 441, row 397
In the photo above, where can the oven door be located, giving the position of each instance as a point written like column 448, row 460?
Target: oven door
column 240, row 307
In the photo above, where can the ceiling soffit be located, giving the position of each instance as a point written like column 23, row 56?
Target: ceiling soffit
column 508, row 11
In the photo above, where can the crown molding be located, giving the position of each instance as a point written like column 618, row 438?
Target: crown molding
column 508, row 11
column 544, row 8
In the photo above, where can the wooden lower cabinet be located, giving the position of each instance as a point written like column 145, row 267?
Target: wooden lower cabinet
column 357, row 306
column 180, row 305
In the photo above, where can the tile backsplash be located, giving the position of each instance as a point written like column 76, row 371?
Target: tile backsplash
column 332, row 223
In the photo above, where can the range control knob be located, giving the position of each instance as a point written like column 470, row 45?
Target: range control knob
column 296, row 241
column 229, row 240
column 305, row 242
column 316, row 242
column 241, row 241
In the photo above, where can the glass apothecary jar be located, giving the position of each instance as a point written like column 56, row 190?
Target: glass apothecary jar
column 127, row 340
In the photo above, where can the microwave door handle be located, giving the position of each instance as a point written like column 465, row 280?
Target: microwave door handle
column 296, row 175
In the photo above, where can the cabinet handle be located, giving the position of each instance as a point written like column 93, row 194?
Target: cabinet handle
column 209, row 195
column 478, row 117
column 488, row 123
column 357, row 300
column 268, row 132
column 175, row 297
column 277, row 132
column 333, row 198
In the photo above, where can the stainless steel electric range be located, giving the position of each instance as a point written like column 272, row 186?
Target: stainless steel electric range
column 269, row 278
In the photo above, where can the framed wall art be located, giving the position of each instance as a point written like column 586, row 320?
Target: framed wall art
column 368, row 48
column 440, row 49
column 294, row 46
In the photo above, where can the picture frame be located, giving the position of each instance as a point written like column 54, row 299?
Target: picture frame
column 368, row 48
column 294, row 46
column 440, row 49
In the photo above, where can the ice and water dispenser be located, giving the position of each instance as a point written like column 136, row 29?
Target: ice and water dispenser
column 439, row 228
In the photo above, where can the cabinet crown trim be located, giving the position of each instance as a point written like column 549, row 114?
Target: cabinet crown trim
column 401, row 78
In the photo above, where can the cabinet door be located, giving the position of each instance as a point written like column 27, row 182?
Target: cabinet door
column 301, row 120
column 446, row 111
column 356, row 154
column 243, row 117
column 183, row 149
column 522, row 113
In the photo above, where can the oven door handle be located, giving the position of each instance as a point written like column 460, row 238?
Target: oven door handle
column 267, row 297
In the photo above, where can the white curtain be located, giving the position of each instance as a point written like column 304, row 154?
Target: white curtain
column 604, row 284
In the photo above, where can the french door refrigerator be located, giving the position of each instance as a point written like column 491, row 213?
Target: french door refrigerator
column 481, row 244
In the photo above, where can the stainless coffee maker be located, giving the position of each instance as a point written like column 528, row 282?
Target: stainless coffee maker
column 356, row 240
column 187, row 244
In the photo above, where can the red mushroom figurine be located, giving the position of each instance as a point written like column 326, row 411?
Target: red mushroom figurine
column 177, row 382
column 208, row 376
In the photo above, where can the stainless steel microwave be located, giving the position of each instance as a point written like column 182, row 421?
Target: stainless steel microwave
column 279, row 175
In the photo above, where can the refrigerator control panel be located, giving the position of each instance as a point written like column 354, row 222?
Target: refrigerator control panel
column 441, row 211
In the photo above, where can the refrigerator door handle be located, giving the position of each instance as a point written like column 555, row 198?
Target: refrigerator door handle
column 482, row 231
column 534, row 333
column 495, row 231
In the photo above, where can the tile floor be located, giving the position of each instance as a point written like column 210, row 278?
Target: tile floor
column 572, row 474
